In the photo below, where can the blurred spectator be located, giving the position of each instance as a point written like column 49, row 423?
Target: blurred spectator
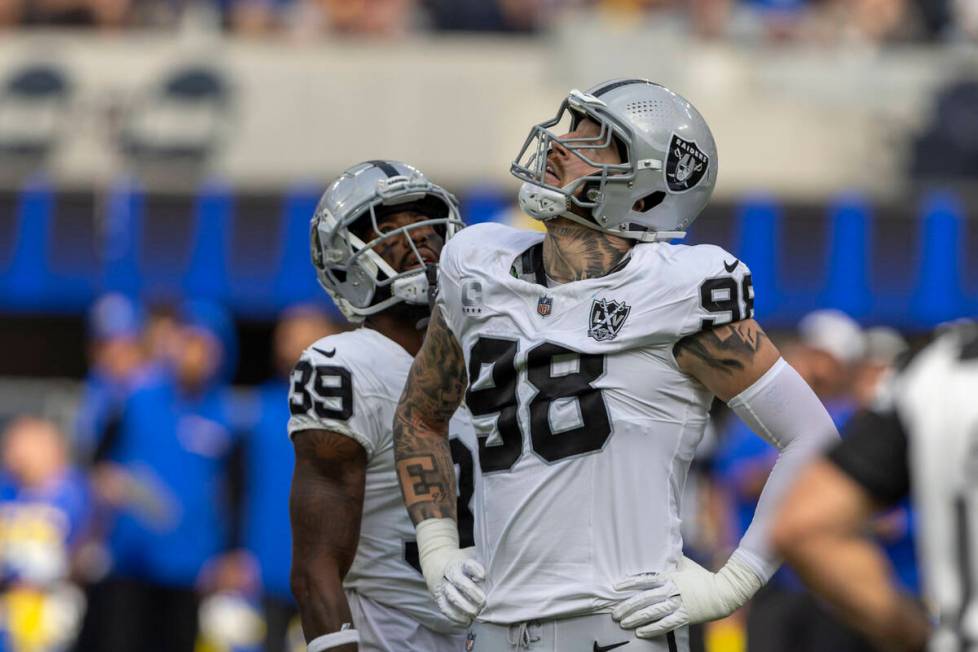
column 167, row 468
column 161, row 335
column 947, row 150
column 269, row 461
column 830, row 344
column 379, row 18
column 486, row 15
column 884, row 348
column 255, row 17
column 44, row 510
column 116, row 362
column 965, row 14
column 868, row 22
column 74, row 13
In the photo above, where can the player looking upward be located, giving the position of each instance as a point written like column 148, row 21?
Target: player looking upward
column 375, row 232
column 589, row 357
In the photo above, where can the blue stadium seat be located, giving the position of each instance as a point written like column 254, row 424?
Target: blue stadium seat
column 485, row 204
column 25, row 283
column 120, row 270
column 847, row 281
column 757, row 240
column 295, row 281
column 206, row 276
column 938, row 295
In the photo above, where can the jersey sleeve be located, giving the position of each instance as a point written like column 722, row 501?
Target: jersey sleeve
column 719, row 288
column 455, row 293
column 449, row 300
column 874, row 453
column 331, row 389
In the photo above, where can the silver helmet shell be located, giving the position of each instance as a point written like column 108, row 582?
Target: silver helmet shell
column 355, row 276
column 669, row 160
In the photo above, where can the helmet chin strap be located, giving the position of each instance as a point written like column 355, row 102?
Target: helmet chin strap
column 545, row 204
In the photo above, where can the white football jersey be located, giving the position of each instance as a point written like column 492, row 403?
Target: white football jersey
column 586, row 426
column 350, row 384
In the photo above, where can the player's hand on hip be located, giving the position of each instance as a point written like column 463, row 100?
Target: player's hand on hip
column 690, row 594
column 452, row 574
column 655, row 610
column 458, row 593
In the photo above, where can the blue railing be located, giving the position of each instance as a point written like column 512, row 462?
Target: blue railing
column 878, row 265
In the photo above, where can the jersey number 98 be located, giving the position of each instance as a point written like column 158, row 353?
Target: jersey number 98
column 501, row 399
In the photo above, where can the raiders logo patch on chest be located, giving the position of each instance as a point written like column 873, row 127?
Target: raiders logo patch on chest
column 607, row 318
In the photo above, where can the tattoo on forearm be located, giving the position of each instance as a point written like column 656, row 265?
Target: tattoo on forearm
column 435, row 387
column 573, row 252
column 728, row 348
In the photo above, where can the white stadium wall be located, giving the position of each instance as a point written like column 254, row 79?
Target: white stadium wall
column 799, row 124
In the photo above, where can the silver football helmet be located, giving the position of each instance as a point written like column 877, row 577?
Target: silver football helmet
column 343, row 236
column 668, row 162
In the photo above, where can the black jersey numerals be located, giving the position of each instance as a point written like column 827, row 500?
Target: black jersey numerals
column 499, row 398
column 595, row 426
column 556, row 374
column 323, row 390
column 462, row 457
column 723, row 297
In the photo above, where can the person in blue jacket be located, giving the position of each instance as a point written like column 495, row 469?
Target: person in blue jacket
column 166, row 467
column 117, row 363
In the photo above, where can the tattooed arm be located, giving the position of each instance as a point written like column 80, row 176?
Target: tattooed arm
column 325, row 508
column 727, row 359
column 739, row 364
column 433, row 392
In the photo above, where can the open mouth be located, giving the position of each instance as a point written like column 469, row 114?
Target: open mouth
column 551, row 175
column 427, row 255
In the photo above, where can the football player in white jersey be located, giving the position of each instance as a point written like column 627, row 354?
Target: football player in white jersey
column 921, row 440
column 376, row 235
column 591, row 355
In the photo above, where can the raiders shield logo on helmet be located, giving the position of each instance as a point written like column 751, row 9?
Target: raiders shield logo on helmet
column 686, row 164
column 607, row 318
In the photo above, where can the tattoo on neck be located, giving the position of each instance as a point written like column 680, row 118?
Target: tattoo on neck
column 574, row 252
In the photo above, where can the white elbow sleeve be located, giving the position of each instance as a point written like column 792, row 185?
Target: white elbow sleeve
column 783, row 409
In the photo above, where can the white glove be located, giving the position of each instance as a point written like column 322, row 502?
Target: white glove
column 450, row 572
column 690, row 594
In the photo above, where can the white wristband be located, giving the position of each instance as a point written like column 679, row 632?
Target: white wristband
column 336, row 639
column 437, row 546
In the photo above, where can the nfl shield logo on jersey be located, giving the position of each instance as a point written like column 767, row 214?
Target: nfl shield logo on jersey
column 686, row 164
column 469, row 642
column 607, row 318
column 544, row 306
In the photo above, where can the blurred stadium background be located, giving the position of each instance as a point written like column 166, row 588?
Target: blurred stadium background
column 159, row 163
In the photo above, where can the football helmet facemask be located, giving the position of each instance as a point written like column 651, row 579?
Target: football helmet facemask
column 668, row 163
column 355, row 276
